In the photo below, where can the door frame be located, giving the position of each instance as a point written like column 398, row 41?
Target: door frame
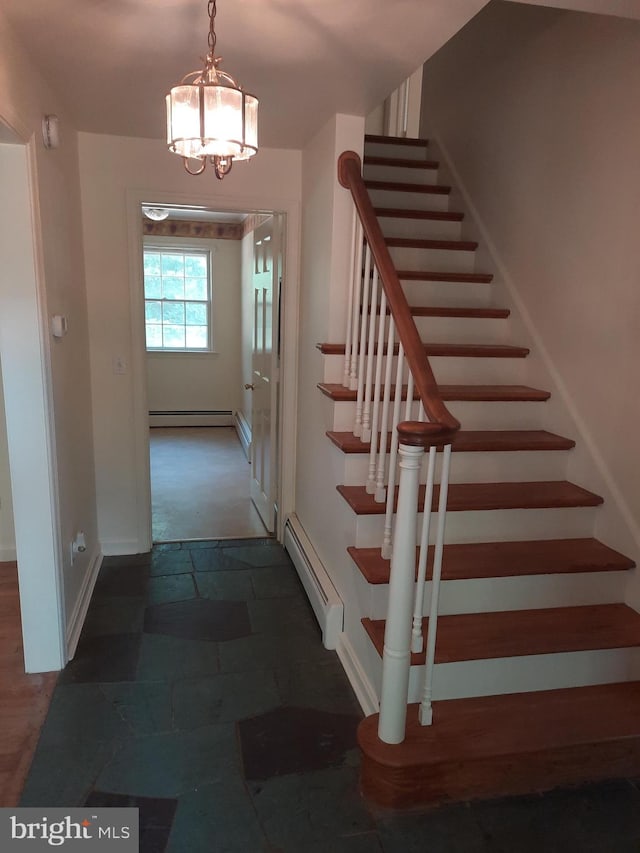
column 290, row 294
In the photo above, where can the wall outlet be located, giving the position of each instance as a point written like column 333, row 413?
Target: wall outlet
column 119, row 364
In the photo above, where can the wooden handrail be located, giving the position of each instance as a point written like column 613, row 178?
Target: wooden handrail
column 350, row 177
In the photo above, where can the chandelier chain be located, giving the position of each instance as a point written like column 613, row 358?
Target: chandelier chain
column 211, row 10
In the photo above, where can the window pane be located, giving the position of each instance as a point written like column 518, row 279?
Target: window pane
column 196, row 314
column 197, row 337
column 153, row 312
column 154, row 336
column 173, row 313
column 172, row 265
column 195, row 266
column 173, row 288
column 195, row 288
column 151, row 263
column 173, row 337
column 152, row 286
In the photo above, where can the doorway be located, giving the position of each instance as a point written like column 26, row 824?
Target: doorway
column 212, row 449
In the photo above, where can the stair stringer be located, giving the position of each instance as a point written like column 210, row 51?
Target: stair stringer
column 615, row 523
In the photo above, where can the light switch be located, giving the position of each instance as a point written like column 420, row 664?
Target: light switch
column 119, row 364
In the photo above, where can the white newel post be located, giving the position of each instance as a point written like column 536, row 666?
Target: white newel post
column 396, row 657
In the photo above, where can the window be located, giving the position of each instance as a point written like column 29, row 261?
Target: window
column 177, row 299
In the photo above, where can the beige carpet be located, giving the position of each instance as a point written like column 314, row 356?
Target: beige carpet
column 200, row 485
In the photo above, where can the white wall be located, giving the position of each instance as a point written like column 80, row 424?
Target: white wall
column 204, row 381
column 116, row 173
column 24, row 99
column 7, row 532
column 533, row 107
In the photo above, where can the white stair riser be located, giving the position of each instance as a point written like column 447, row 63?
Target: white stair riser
column 463, row 330
column 419, row 201
column 487, row 467
column 452, row 370
column 425, row 229
column 406, row 175
column 437, row 260
column 401, row 152
column 496, row 525
column 528, row 673
column 471, row 415
column 530, row 592
column 447, row 293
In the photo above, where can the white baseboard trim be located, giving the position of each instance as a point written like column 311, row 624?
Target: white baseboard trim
column 244, row 433
column 119, row 547
column 8, row 555
column 322, row 595
column 74, row 626
column 362, row 686
column 193, row 418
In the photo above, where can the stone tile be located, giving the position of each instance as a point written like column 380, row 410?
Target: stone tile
column 169, row 658
column 223, row 698
column 109, row 657
column 324, row 687
column 79, row 716
column 199, row 619
column 363, row 842
column 171, row 563
column 257, row 555
column 160, row 547
column 215, row 560
column 301, row 810
column 127, row 560
column 171, row 588
column 270, row 651
column 166, row 765
column 145, row 707
column 62, row 776
column 295, row 740
column 155, row 816
column 196, row 545
column 283, row 616
column 121, row 580
column 276, row 582
column 216, row 818
column 225, row 585
column 448, row 829
column 114, row 615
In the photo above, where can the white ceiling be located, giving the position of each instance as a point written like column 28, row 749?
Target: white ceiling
column 112, row 61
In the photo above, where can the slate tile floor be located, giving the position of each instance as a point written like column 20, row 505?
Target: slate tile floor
column 201, row 694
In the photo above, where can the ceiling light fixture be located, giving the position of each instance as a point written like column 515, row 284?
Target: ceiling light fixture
column 155, row 213
column 210, row 117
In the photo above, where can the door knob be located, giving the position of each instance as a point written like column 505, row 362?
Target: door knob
column 249, row 387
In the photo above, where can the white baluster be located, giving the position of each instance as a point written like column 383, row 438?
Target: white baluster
column 426, row 711
column 352, row 287
column 356, row 316
column 393, row 455
column 362, row 349
column 381, row 492
column 396, row 657
column 416, row 632
column 373, row 307
column 382, row 316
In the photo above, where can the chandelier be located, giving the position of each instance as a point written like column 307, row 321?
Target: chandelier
column 210, row 117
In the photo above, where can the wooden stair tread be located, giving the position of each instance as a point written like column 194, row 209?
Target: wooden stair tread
column 473, row 441
column 437, row 275
column 402, row 163
column 544, row 494
column 458, row 393
column 518, row 633
column 411, row 213
column 505, row 559
column 516, row 743
column 395, row 140
column 446, row 350
column 403, row 187
column 418, row 243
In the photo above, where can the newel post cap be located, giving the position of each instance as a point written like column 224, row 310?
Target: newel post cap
column 423, row 434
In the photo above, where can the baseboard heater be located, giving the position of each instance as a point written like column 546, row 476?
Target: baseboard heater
column 323, row 597
column 191, row 417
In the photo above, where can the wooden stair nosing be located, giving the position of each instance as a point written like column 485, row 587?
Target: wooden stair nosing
column 520, row 633
column 403, row 187
column 411, row 213
column 444, row 245
column 401, row 163
column 509, row 744
column 474, row 497
column 505, row 559
column 454, row 393
column 446, row 350
column 382, row 139
column 450, row 277
column 455, row 312
column 471, row 441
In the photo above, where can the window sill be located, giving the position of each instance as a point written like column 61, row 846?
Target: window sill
column 162, row 353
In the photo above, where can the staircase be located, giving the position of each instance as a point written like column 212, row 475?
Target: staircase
column 537, row 656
